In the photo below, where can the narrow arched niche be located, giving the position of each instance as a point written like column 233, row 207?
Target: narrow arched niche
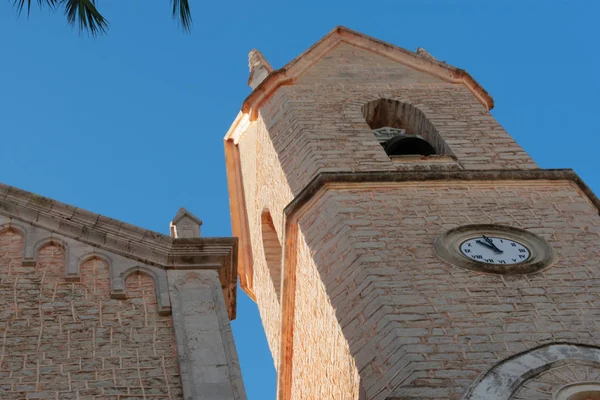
column 95, row 275
column 11, row 249
column 272, row 250
column 51, row 260
column 140, row 288
column 402, row 129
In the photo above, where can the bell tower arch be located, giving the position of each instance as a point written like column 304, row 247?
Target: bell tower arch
column 399, row 203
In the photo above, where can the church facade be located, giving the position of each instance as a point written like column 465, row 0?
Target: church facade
column 399, row 243
column 94, row 308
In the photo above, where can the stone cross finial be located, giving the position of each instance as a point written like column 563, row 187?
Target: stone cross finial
column 185, row 225
column 259, row 68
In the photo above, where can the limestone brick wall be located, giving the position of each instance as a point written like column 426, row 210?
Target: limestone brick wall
column 265, row 190
column 70, row 340
column 317, row 124
column 272, row 251
column 323, row 365
column 417, row 327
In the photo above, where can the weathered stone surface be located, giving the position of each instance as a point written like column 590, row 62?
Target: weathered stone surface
column 259, row 68
column 208, row 360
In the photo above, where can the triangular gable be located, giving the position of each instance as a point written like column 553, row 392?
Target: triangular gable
column 347, row 63
column 185, row 213
column 421, row 62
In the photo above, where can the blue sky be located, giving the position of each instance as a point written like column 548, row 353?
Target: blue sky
column 130, row 125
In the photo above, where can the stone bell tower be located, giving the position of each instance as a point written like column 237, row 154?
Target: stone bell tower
column 399, row 243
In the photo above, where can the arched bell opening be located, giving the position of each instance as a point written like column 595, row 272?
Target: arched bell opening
column 402, row 129
column 408, row 145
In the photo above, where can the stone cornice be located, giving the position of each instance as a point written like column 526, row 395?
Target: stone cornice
column 124, row 239
column 420, row 176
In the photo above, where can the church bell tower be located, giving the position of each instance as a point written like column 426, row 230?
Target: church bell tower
column 397, row 240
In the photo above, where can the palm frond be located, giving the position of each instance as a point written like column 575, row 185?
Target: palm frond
column 84, row 14
column 20, row 4
column 181, row 11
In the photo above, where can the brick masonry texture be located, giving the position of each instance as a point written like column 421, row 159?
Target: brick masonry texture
column 423, row 329
column 266, row 189
column 324, row 367
column 70, row 340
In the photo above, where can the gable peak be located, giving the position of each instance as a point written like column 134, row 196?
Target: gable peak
column 264, row 81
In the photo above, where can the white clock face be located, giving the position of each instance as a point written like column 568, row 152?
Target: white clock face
column 494, row 250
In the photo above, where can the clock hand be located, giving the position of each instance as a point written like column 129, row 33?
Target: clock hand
column 497, row 250
column 491, row 243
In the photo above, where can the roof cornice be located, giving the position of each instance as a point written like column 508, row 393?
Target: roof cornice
column 295, row 68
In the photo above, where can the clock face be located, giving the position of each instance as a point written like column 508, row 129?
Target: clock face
column 494, row 250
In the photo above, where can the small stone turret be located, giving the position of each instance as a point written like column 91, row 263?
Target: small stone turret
column 185, row 225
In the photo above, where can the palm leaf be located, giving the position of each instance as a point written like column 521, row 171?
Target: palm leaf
column 84, row 14
column 181, row 10
column 19, row 4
